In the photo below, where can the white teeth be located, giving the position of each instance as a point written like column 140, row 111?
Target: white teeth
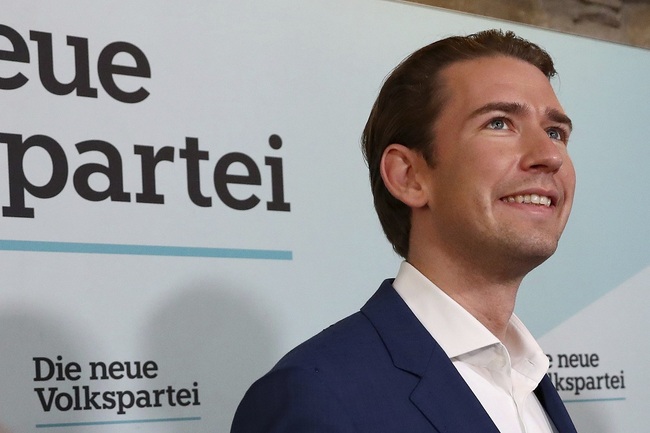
column 537, row 199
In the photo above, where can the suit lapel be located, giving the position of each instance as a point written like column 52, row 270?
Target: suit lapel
column 552, row 403
column 445, row 399
column 441, row 395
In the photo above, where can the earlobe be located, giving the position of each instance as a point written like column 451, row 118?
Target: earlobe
column 400, row 169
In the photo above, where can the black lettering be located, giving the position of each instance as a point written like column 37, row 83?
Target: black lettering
column 183, row 397
column 19, row 53
column 622, row 377
column 81, row 80
column 63, row 371
column 109, row 400
column 93, row 370
column 157, row 394
column 149, row 161
column 46, row 404
column 222, row 179
column 115, row 369
column 195, row 394
column 277, row 202
column 193, row 155
column 150, row 369
column 575, row 360
column 18, row 182
column 39, row 374
column 124, row 403
column 113, row 171
column 144, row 399
column 170, row 395
column 133, row 369
column 106, row 69
column 90, row 397
column 63, row 401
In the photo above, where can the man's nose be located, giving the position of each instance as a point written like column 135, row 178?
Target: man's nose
column 542, row 153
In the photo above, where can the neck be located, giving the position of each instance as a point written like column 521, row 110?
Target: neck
column 488, row 296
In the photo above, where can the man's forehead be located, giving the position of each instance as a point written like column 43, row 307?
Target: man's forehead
column 498, row 68
column 489, row 81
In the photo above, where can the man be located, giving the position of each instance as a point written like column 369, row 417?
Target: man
column 467, row 151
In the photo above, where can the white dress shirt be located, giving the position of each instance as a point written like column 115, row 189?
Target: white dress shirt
column 503, row 376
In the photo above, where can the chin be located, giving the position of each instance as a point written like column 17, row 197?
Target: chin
column 537, row 255
column 530, row 252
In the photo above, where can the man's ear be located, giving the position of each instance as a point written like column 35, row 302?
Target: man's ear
column 402, row 170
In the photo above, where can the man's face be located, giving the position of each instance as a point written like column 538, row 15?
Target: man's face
column 502, row 186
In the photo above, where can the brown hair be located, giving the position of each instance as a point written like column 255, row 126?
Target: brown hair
column 409, row 103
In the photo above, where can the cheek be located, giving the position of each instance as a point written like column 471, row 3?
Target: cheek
column 568, row 175
column 490, row 169
column 473, row 170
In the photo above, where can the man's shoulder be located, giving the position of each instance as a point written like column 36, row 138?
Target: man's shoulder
column 361, row 339
column 326, row 383
column 348, row 338
column 345, row 377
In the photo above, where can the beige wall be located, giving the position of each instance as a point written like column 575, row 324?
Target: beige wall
column 622, row 21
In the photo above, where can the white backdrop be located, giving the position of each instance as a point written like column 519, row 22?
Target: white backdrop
column 204, row 298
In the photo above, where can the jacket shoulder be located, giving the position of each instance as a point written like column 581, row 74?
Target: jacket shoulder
column 335, row 345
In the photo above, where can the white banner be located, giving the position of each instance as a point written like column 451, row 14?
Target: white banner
column 183, row 199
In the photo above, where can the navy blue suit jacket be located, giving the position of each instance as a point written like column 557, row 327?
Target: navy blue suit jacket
column 376, row 371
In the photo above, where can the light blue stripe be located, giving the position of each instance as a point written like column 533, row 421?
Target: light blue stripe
column 143, row 250
column 591, row 400
column 134, row 421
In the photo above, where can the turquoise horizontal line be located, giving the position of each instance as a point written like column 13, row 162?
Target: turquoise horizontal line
column 133, row 421
column 143, row 250
column 591, row 400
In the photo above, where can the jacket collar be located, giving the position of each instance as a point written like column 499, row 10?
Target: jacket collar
column 552, row 403
column 441, row 394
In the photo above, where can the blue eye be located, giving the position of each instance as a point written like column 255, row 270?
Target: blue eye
column 497, row 124
column 554, row 134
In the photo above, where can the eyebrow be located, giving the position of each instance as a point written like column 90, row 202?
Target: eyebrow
column 517, row 108
column 559, row 117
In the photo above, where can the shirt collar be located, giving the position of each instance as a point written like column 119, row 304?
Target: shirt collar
column 458, row 332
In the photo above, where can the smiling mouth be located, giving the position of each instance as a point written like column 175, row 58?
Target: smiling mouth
column 535, row 199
